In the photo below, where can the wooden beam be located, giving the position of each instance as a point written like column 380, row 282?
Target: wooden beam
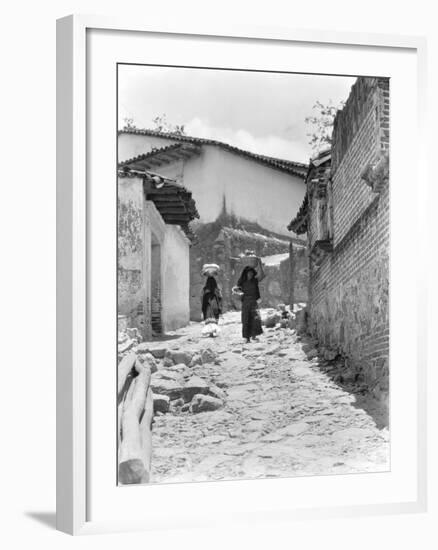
column 177, row 218
column 167, row 157
column 159, row 198
column 167, row 199
column 138, row 167
column 167, row 190
column 176, row 213
column 170, row 211
column 187, row 155
column 123, row 370
column 155, row 161
column 132, row 460
column 170, row 204
column 174, row 221
column 146, row 433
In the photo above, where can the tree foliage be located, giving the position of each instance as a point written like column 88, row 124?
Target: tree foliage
column 163, row 125
column 160, row 124
column 321, row 125
column 129, row 124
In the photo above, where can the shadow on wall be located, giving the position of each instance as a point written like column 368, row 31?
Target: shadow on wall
column 337, row 369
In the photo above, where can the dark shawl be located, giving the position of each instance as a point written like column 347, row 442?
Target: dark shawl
column 249, row 287
column 210, row 291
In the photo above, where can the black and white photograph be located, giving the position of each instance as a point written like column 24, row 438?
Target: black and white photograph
column 252, row 274
column 219, row 299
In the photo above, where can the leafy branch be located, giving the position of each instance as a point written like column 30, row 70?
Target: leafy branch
column 161, row 124
column 321, row 125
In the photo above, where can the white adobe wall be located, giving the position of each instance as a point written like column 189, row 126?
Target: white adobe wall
column 252, row 190
column 134, row 245
column 175, row 297
column 132, row 145
column 174, row 268
column 139, row 224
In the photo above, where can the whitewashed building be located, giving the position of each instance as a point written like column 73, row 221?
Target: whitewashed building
column 231, row 187
column 153, row 252
column 252, row 187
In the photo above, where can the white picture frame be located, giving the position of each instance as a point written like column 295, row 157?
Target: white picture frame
column 73, row 221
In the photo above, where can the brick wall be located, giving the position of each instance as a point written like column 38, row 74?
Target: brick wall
column 299, row 266
column 349, row 285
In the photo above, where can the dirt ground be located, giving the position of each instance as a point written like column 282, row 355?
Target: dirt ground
column 282, row 415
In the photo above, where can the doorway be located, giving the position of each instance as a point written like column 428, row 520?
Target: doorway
column 156, row 319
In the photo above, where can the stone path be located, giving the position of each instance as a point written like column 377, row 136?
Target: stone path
column 282, row 416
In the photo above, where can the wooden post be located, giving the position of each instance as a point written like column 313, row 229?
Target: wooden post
column 291, row 276
column 131, row 456
column 146, row 432
column 124, row 397
column 119, row 425
column 146, row 270
column 124, row 368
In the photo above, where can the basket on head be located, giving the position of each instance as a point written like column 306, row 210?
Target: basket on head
column 249, row 259
column 210, row 270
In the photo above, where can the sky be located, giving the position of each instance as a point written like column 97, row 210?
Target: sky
column 260, row 112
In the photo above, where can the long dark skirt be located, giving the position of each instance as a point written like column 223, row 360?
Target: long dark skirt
column 211, row 309
column 251, row 322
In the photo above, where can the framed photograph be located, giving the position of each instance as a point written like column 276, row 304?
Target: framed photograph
column 240, row 242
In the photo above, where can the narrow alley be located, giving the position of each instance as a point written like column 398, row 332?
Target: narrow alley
column 280, row 414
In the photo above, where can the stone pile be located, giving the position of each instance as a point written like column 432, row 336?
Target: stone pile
column 127, row 339
column 155, row 379
column 175, row 387
column 273, row 319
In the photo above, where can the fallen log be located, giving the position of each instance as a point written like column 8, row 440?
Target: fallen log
column 147, row 418
column 123, row 370
column 131, row 456
column 126, row 397
column 119, row 425
column 146, row 432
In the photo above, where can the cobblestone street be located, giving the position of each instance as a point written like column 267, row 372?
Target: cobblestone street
column 282, row 414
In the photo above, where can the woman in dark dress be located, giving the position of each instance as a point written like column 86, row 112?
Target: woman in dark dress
column 211, row 301
column 249, row 285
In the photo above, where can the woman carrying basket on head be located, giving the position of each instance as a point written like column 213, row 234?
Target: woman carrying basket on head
column 248, row 285
column 211, row 301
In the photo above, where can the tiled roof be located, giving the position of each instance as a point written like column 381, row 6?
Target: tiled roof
column 172, row 200
column 163, row 155
column 318, row 173
column 299, row 224
column 298, row 169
